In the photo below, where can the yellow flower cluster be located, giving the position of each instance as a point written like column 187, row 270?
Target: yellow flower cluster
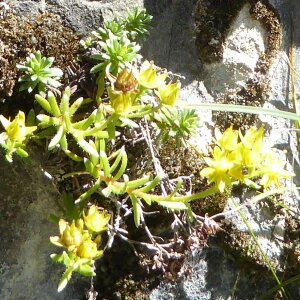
column 242, row 158
column 167, row 93
column 84, row 243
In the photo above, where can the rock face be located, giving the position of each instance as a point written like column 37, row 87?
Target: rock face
column 243, row 46
column 27, row 198
column 26, row 271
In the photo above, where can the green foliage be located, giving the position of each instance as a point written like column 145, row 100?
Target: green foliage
column 39, row 73
column 62, row 120
column 137, row 24
column 179, row 125
column 135, row 27
column 116, row 51
column 117, row 41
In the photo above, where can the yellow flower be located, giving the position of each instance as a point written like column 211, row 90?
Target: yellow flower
column 70, row 236
column 253, row 138
column 149, row 78
column 219, row 169
column 273, row 170
column 169, row 93
column 17, row 130
column 89, row 249
column 251, row 148
column 95, row 221
column 121, row 102
column 228, row 140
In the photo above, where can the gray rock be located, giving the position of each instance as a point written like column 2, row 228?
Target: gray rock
column 243, row 46
column 27, row 198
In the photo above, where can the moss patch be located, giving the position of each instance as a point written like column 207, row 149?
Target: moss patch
column 23, row 35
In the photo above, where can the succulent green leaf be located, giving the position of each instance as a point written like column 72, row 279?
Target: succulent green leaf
column 46, row 121
column 56, row 72
column 63, row 143
column 56, row 139
column 87, row 147
column 151, row 185
column 74, row 107
column 71, row 211
column 30, row 121
column 58, row 258
column 86, row 270
column 96, row 132
column 65, row 279
column 129, row 123
column 53, row 103
column 72, row 155
column 104, row 163
column 147, row 198
column 174, row 205
column 65, row 99
column 89, row 166
column 98, row 67
column 53, row 82
column 117, row 161
column 44, row 103
column 21, row 152
column 86, row 123
column 177, row 188
column 133, row 184
column 123, row 166
column 137, row 210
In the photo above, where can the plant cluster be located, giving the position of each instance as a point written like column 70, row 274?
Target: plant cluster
column 130, row 92
column 81, row 239
column 39, row 73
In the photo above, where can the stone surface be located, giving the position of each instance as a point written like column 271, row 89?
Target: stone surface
column 24, row 270
column 243, row 46
column 27, row 197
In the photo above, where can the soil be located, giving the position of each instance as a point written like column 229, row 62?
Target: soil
column 21, row 36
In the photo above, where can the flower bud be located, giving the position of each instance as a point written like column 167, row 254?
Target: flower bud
column 95, row 221
column 16, row 130
column 88, row 249
column 72, row 236
column 125, row 81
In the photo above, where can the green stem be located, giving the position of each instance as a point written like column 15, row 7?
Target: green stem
column 188, row 198
column 143, row 113
column 88, row 193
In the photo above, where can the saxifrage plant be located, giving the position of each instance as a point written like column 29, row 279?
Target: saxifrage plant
column 39, row 73
column 130, row 93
